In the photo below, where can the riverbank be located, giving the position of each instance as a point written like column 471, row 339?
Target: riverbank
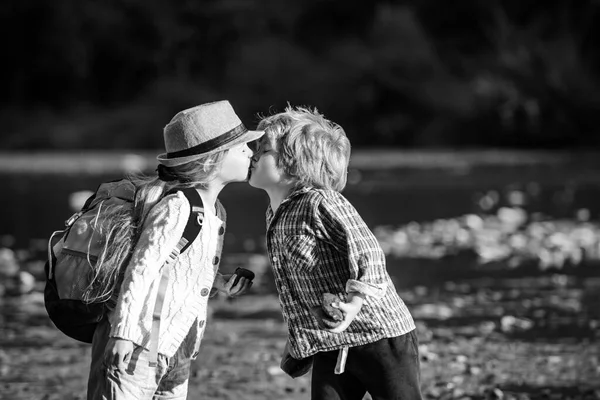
column 478, row 340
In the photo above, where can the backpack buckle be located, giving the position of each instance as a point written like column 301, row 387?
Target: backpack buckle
column 199, row 218
column 73, row 218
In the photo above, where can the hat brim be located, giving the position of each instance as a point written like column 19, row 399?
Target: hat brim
column 249, row 136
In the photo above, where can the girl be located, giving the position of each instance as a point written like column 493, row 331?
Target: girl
column 206, row 149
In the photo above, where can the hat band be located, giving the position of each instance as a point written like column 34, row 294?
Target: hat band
column 211, row 144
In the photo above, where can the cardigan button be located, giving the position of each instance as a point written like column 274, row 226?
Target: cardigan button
column 204, row 292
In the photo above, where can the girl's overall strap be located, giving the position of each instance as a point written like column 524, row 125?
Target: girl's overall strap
column 192, row 229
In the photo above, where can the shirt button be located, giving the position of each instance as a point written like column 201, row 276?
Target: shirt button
column 215, row 260
column 221, row 230
column 274, row 258
column 201, row 324
column 204, row 292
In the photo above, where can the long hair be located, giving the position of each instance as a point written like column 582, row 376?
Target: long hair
column 121, row 226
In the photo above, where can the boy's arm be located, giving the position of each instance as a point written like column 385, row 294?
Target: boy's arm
column 341, row 225
column 161, row 232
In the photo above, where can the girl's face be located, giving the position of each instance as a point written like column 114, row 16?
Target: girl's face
column 264, row 172
column 236, row 162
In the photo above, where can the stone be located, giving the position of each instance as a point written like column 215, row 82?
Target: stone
column 332, row 312
column 9, row 267
column 243, row 273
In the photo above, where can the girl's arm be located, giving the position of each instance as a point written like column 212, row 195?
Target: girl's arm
column 225, row 283
column 162, row 230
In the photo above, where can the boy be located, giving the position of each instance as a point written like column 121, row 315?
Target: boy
column 318, row 243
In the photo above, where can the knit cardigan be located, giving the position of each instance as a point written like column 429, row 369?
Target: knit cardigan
column 191, row 278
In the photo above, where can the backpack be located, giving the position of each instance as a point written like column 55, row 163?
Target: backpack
column 72, row 254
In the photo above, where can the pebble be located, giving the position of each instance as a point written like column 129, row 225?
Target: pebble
column 274, row 370
column 26, row 282
column 9, row 267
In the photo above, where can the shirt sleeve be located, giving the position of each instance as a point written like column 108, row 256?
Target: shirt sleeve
column 163, row 228
column 341, row 225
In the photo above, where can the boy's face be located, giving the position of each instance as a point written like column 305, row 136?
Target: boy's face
column 264, row 172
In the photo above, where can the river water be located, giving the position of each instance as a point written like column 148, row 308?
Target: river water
column 35, row 204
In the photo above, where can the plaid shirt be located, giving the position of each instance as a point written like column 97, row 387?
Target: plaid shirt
column 317, row 242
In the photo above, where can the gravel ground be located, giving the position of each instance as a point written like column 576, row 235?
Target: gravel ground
column 476, row 343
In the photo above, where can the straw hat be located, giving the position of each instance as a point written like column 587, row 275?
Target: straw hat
column 201, row 130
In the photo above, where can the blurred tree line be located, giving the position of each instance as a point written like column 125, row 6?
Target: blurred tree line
column 413, row 73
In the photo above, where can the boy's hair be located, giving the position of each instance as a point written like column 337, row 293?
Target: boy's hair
column 311, row 149
column 121, row 227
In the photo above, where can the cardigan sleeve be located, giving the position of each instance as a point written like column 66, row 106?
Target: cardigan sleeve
column 163, row 228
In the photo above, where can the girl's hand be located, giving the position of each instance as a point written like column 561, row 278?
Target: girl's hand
column 349, row 309
column 237, row 286
column 227, row 284
column 118, row 353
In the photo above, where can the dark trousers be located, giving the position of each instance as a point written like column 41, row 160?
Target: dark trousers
column 387, row 369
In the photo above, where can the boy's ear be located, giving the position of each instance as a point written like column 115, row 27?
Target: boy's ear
column 289, row 180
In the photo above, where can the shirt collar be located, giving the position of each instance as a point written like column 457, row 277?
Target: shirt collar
column 297, row 192
column 294, row 193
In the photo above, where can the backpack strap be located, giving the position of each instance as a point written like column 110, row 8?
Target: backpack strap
column 191, row 231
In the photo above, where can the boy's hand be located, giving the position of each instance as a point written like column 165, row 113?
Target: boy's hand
column 349, row 309
column 324, row 321
column 118, row 353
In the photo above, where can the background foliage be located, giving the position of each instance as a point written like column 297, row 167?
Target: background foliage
column 110, row 74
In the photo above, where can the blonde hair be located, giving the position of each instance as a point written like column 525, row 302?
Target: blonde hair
column 311, row 149
column 121, row 226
